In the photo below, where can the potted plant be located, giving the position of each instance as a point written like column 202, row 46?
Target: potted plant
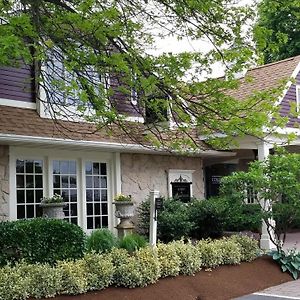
column 53, row 207
column 124, row 211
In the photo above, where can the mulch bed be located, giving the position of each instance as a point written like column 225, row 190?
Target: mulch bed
column 223, row 283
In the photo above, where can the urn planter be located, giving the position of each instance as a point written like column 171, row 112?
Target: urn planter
column 124, row 211
column 53, row 210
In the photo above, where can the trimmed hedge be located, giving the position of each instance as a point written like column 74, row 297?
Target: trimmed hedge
column 97, row 271
column 40, row 240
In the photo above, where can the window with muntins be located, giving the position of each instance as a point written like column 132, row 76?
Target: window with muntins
column 29, row 184
column 96, row 194
column 65, row 184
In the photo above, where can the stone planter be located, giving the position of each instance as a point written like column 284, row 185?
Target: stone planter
column 124, row 211
column 53, row 210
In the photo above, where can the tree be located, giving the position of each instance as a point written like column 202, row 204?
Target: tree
column 80, row 45
column 276, row 186
column 277, row 32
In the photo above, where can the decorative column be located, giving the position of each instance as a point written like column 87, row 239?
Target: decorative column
column 265, row 241
column 153, row 220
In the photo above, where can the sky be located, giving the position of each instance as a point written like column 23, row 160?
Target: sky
column 171, row 44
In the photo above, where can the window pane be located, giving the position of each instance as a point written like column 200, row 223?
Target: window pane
column 38, row 166
column 103, row 169
column 103, row 182
column 88, row 168
column 20, row 166
column 20, row 181
column 56, row 167
column 65, row 181
column 96, row 195
column 89, row 195
column 29, row 166
column 29, row 211
column 73, row 195
column 97, row 209
column 97, row 222
column 38, row 181
column 72, row 167
column 104, row 221
column 103, row 195
column 89, row 180
column 90, row 223
column 21, row 196
column 64, row 167
column 96, row 181
column 73, row 183
column 96, row 169
column 20, row 211
column 29, row 196
column 56, row 181
column 89, row 209
column 104, row 210
column 38, row 196
column 29, row 181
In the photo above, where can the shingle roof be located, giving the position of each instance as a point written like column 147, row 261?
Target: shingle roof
column 265, row 77
column 27, row 122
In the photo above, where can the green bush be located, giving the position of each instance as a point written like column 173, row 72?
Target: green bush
column 230, row 251
column 132, row 242
column 99, row 271
column 24, row 280
column 138, row 270
column 74, row 280
column 190, row 258
column 169, row 260
column 40, row 240
column 206, row 219
column 211, row 254
column 172, row 221
column 248, row 246
column 101, row 240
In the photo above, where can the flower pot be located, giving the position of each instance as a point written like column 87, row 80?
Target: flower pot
column 124, row 211
column 53, row 210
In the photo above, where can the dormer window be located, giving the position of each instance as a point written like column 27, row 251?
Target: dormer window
column 156, row 109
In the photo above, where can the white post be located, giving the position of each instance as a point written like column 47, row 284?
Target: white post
column 153, row 221
column 265, row 241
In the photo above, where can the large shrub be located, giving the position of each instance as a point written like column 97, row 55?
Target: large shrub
column 172, row 222
column 101, row 240
column 230, row 251
column 40, row 240
column 206, row 219
column 211, row 254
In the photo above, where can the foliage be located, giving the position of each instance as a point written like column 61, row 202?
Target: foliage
column 112, row 38
column 289, row 261
column 230, row 251
column 211, row 254
column 132, row 242
column 207, row 219
column 138, row 270
column 236, row 215
column 276, row 32
column 169, row 260
column 275, row 182
column 99, row 271
column 248, row 246
column 40, row 240
column 172, row 221
column 56, row 198
column 190, row 258
column 123, row 198
column 101, row 240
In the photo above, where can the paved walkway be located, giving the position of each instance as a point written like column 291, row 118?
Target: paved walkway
column 288, row 290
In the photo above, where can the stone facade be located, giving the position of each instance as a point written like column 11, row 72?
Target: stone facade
column 141, row 173
column 4, row 182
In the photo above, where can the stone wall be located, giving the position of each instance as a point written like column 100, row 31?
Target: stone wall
column 142, row 172
column 4, row 183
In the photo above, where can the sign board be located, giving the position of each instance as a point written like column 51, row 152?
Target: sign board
column 159, row 203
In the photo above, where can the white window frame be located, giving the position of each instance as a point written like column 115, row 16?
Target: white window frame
column 112, row 161
column 174, row 174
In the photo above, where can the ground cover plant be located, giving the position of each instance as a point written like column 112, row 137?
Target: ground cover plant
column 120, row 268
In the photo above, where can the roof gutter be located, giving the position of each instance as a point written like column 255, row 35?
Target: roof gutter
column 12, row 139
